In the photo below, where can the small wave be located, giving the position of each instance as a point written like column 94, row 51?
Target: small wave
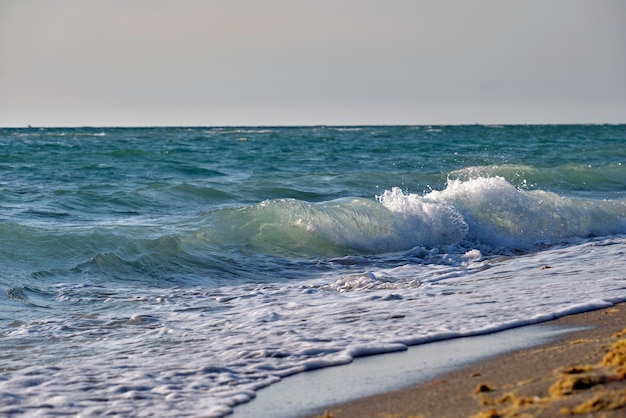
column 186, row 191
column 29, row 296
column 567, row 177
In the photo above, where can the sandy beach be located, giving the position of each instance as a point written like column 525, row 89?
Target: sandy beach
column 582, row 373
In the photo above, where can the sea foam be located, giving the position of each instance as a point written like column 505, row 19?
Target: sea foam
column 236, row 340
column 494, row 212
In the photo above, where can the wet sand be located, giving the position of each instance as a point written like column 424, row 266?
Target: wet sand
column 305, row 393
column 580, row 373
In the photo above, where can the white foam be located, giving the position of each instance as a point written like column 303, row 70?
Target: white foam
column 425, row 222
column 165, row 352
column 494, row 212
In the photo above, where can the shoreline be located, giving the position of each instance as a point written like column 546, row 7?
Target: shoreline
column 393, row 383
column 305, row 393
column 569, row 375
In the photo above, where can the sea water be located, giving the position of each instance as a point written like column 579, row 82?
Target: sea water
column 176, row 271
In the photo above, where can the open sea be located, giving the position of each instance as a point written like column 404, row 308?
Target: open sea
column 176, row 271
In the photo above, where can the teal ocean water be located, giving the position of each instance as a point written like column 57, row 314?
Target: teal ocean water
column 176, row 271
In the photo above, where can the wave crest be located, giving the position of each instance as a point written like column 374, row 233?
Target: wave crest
column 487, row 211
column 501, row 215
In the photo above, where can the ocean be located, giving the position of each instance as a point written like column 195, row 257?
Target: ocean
column 176, row 271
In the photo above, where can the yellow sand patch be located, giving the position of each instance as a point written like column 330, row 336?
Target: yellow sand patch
column 616, row 355
column 605, row 401
column 581, row 341
column 570, row 384
column 620, row 334
column 578, row 369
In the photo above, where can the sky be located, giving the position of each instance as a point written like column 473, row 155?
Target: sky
column 311, row 62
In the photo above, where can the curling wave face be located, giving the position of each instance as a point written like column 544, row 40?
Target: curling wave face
column 487, row 214
column 490, row 212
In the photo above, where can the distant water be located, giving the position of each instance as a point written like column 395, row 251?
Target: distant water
column 175, row 271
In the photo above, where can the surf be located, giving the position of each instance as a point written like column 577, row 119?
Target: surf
column 488, row 211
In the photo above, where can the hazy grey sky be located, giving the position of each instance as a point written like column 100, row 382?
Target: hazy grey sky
column 277, row 62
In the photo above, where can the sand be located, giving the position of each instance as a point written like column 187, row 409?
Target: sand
column 581, row 373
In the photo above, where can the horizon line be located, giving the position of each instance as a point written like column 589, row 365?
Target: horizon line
column 321, row 125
